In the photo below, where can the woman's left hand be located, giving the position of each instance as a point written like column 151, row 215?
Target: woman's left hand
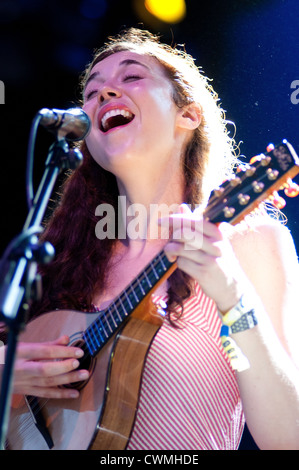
column 203, row 250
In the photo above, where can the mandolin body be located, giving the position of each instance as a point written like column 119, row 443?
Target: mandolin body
column 103, row 416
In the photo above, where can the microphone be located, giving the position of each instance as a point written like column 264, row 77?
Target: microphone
column 72, row 124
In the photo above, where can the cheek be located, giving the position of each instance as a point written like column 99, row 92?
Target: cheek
column 89, row 109
column 159, row 113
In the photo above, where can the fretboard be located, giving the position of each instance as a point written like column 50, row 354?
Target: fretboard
column 110, row 319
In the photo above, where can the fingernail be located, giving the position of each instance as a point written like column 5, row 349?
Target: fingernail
column 79, row 353
column 83, row 374
column 76, row 364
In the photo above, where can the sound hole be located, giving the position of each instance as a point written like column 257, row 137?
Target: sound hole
column 86, row 362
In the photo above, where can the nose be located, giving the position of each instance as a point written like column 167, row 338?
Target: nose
column 108, row 91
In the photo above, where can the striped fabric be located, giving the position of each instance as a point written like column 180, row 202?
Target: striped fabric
column 189, row 396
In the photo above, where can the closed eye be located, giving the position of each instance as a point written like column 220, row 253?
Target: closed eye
column 90, row 94
column 132, row 77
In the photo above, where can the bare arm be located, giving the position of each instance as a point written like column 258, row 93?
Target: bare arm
column 263, row 263
column 270, row 387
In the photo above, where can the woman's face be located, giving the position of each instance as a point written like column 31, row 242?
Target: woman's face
column 134, row 118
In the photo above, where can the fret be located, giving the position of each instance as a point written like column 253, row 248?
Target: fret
column 100, row 327
column 106, row 320
column 96, row 334
column 89, row 341
column 112, row 317
column 149, row 283
column 128, row 299
column 122, row 305
column 134, row 293
column 162, row 263
column 141, row 287
column 155, row 272
column 117, row 311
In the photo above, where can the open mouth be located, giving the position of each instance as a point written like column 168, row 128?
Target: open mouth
column 115, row 118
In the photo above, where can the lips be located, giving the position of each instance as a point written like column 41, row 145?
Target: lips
column 114, row 116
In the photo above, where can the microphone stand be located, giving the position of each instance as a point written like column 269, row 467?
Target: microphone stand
column 18, row 268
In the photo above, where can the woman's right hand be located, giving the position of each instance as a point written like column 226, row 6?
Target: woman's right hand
column 41, row 368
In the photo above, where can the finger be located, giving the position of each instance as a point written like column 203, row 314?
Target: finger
column 51, row 392
column 193, row 240
column 63, row 379
column 176, row 250
column 64, row 340
column 192, row 268
column 45, row 368
column 51, row 350
column 190, row 221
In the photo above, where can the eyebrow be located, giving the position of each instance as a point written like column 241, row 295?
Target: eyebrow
column 123, row 62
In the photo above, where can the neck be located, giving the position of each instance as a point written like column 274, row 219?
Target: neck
column 142, row 202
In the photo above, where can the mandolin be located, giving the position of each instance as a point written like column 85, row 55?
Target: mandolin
column 116, row 340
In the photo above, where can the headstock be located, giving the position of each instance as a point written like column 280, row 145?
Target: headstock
column 253, row 183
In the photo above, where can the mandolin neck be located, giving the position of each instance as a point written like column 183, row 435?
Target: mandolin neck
column 111, row 318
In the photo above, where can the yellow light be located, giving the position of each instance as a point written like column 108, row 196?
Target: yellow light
column 169, row 11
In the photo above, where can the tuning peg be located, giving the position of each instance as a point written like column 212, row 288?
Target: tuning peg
column 250, row 171
column 258, row 187
column 242, row 167
column 218, row 192
column 235, row 181
column 254, row 159
column 243, row 199
column 229, row 212
column 292, row 189
column 272, row 174
column 263, row 159
column 277, row 200
column 270, row 147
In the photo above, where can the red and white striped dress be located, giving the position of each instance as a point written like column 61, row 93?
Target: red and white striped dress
column 189, row 396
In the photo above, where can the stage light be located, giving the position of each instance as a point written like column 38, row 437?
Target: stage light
column 168, row 11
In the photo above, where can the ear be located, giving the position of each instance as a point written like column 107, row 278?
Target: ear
column 189, row 117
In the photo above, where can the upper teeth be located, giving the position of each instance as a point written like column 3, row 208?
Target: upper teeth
column 114, row 112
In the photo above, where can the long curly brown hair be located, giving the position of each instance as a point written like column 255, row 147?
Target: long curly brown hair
column 79, row 267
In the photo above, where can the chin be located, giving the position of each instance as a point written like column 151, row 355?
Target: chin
column 117, row 162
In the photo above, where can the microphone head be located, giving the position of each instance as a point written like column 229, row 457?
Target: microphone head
column 72, row 124
column 76, row 125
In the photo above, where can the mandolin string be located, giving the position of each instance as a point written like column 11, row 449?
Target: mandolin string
column 124, row 305
column 28, row 425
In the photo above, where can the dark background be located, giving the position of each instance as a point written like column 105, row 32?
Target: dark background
column 249, row 48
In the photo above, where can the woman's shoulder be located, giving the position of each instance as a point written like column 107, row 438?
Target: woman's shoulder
column 267, row 253
column 262, row 233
